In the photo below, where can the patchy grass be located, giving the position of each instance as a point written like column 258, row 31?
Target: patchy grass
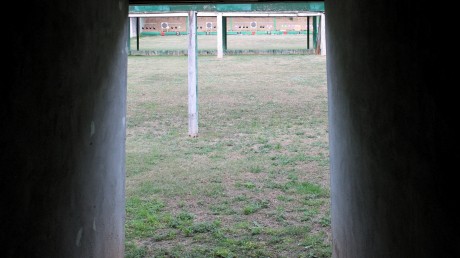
column 255, row 183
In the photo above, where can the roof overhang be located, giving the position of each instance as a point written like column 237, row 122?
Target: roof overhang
column 144, row 6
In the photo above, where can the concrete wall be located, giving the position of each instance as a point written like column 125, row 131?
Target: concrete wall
column 392, row 137
column 153, row 24
column 63, row 131
column 268, row 23
column 174, row 24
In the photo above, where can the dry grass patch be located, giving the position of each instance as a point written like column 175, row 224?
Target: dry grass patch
column 255, row 183
column 234, row 42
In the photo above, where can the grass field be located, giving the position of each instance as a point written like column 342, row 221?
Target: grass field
column 255, row 183
column 234, row 42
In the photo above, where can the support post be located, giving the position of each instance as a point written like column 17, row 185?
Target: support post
column 137, row 32
column 220, row 36
column 224, row 35
column 192, row 76
column 323, row 35
column 315, row 31
column 308, row 32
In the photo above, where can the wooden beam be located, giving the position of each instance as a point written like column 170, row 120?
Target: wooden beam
column 192, row 76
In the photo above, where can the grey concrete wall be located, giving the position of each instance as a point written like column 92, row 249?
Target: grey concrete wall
column 392, row 138
column 63, row 130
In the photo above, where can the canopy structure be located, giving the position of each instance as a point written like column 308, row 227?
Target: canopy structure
column 221, row 12
column 139, row 6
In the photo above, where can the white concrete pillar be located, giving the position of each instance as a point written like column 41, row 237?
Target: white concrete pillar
column 220, row 36
column 323, row 35
column 192, row 76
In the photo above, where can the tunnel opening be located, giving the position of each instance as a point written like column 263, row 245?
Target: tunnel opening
column 255, row 180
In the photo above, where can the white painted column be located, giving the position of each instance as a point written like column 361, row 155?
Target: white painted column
column 220, row 36
column 192, row 76
column 323, row 35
